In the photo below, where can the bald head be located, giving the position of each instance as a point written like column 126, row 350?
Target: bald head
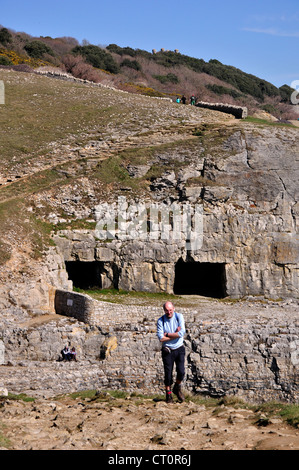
column 168, row 309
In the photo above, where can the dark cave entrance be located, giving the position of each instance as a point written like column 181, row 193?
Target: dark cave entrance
column 91, row 274
column 195, row 278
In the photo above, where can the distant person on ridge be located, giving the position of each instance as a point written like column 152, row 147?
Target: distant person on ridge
column 170, row 331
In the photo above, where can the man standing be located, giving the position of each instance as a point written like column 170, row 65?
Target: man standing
column 170, row 331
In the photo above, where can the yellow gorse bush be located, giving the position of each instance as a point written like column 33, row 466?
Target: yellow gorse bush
column 144, row 90
column 17, row 59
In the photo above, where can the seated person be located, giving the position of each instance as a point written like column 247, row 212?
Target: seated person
column 65, row 352
column 73, row 354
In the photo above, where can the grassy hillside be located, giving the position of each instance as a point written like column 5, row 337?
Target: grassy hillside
column 163, row 73
column 64, row 146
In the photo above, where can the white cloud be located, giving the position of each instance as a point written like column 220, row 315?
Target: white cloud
column 273, row 32
column 277, row 18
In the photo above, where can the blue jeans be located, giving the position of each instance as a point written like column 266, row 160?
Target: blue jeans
column 177, row 357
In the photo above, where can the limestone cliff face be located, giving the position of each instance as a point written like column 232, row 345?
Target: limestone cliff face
column 242, row 179
column 241, row 348
column 245, row 179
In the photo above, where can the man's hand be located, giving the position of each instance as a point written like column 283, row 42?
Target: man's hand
column 164, row 339
column 169, row 336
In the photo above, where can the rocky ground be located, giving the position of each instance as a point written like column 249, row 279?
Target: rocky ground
column 133, row 423
column 116, row 421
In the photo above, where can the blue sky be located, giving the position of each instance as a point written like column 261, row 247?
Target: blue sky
column 259, row 36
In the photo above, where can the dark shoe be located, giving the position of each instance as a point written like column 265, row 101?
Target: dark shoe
column 177, row 390
column 169, row 398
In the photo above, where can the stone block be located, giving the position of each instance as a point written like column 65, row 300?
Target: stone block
column 286, row 249
column 104, row 253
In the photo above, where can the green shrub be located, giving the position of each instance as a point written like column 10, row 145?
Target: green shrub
column 121, row 50
column 285, row 92
column 215, row 61
column 5, row 36
column 133, row 64
column 270, row 108
column 169, row 78
column 97, row 57
column 5, row 61
column 221, row 90
column 37, row 49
